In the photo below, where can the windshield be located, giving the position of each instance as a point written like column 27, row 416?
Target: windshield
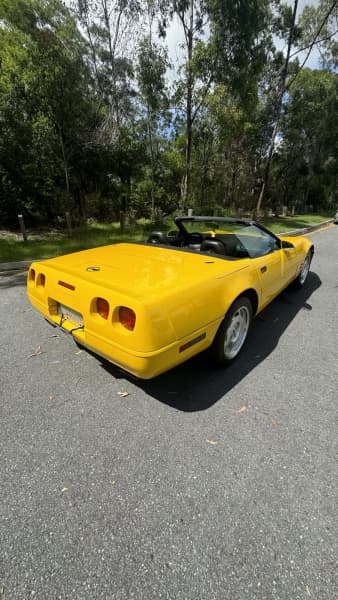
column 239, row 239
column 213, row 227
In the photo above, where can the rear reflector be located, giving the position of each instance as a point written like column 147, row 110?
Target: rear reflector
column 192, row 342
column 102, row 307
column 69, row 286
column 127, row 317
column 32, row 274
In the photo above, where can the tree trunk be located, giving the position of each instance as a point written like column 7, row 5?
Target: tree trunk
column 64, row 160
column 186, row 192
column 152, row 158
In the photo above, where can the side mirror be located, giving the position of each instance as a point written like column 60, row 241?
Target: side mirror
column 285, row 245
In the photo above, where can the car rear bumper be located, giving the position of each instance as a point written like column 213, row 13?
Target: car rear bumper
column 144, row 365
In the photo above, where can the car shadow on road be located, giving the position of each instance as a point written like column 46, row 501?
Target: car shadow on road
column 198, row 384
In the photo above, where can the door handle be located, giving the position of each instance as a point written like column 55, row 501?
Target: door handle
column 264, row 269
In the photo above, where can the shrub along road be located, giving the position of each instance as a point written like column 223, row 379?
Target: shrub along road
column 203, row 483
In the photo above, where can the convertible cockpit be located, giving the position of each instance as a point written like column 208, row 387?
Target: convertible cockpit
column 220, row 236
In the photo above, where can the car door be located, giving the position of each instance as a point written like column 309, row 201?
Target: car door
column 267, row 260
column 269, row 270
column 290, row 262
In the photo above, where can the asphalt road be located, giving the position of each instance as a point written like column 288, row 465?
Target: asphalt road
column 203, row 484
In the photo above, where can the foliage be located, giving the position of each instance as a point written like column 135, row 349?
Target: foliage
column 96, row 120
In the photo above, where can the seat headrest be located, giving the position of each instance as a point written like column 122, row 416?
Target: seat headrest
column 158, row 237
column 215, row 246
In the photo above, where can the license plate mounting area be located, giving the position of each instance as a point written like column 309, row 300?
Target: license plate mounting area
column 68, row 314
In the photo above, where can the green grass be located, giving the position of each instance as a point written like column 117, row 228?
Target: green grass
column 56, row 243
column 46, row 245
column 284, row 224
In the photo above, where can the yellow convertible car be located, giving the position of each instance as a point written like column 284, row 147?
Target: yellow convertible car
column 149, row 306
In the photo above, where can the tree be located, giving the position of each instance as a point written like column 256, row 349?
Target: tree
column 233, row 54
column 289, row 23
column 310, row 139
column 44, row 107
column 109, row 26
column 151, row 70
column 319, row 29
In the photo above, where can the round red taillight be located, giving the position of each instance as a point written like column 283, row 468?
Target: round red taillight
column 127, row 317
column 102, row 307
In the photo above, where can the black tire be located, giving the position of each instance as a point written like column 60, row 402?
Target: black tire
column 238, row 320
column 303, row 275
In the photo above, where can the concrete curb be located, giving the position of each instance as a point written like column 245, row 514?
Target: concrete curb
column 24, row 264
column 307, row 229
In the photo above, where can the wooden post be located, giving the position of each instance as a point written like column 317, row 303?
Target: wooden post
column 122, row 220
column 69, row 223
column 22, row 227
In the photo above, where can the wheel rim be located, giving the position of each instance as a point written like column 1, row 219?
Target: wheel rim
column 305, row 269
column 236, row 332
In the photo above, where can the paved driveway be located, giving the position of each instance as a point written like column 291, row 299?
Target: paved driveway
column 202, row 484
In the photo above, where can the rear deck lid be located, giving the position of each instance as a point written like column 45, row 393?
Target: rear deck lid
column 142, row 270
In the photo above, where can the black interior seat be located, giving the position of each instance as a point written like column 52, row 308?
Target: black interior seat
column 158, row 237
column 215, row 246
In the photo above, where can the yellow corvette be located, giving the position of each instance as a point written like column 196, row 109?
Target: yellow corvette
column 149, row 306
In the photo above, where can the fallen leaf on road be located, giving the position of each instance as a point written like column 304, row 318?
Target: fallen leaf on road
column 123, row 394
column 212, row 442
column 51, row 397
column 37, row 352
column 79, row 352
column 308, row 590
column 242, row 409
column 64, row 489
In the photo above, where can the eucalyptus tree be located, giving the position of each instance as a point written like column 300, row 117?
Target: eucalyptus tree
column 319, row 30
column 224, row 43
column 316, row 26
column 151, row 76
column 286, row 26
column 111, row 29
